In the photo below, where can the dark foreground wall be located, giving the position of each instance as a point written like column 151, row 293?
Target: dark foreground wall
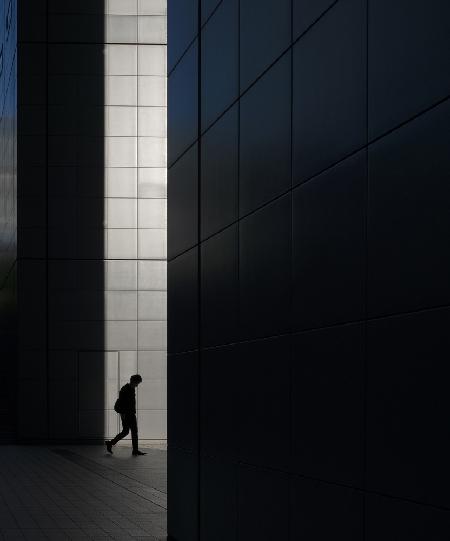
column 309, row 270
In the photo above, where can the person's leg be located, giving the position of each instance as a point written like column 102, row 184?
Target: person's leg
column 134, row 432
column 125, row 429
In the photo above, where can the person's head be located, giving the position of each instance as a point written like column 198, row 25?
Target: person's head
column 135, row 380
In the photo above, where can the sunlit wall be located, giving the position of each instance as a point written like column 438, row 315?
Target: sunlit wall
column 135, row 208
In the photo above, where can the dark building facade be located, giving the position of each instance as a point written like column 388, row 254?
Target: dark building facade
column 308, row 269
column 82, row 216
column 92, row 215
column 8, row 218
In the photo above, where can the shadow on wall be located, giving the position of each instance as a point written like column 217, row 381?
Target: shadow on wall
column 62, row 174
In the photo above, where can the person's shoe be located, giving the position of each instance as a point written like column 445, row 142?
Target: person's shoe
column 138, row 453
column 108, row 446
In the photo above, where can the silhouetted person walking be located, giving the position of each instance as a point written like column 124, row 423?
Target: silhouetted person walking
column 126, row 406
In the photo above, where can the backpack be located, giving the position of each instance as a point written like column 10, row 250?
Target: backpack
column 117, row 406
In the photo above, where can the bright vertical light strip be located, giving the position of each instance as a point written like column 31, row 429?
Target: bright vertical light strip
column 135, row 156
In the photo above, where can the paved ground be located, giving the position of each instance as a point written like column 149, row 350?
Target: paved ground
column 82, row 492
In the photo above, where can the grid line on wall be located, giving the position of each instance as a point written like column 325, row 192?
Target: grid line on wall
column 311, row 178
column 47, row 278
column 291, row 276
column 191, row 43
column 238, row 256
column 199, row 280
column 349, row 155
column 366, row 290
column 325, row 481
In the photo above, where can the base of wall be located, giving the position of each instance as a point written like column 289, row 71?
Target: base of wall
column 83, row 441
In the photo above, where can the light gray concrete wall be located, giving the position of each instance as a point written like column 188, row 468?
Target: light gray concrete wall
column 135, row 161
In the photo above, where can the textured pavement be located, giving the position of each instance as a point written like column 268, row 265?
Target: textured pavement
column 81, row 492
